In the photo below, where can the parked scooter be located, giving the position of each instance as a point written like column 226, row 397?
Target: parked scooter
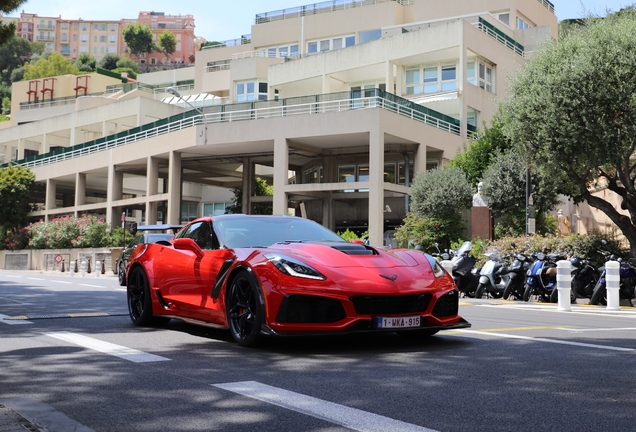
column 585, row 275
column 493, row 277
column 541, row 278
column 517, row 275
column 465, row 275
column 627, row 285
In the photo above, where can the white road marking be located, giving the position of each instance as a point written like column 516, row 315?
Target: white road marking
column 32, row 278
column 93, row 286
column 595, row 311
column 595, row 329
column 351, row 418
column 125, row 353
column 12, row 322
column 13, row 276
column 554, row 341
column 63, row 282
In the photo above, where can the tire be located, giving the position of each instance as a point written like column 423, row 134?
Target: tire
column 244, row 311
column 599, row 296
column 508, row 289
column 121, row 274
column 496, row 294
column 139, row 301
column 527, row 293
column 554, row 295
column 479, row 291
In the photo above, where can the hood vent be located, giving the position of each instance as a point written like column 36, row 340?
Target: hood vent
column 354, row 249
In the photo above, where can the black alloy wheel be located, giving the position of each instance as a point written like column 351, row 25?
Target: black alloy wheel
column 139, row 301
column 244, row 312
column 527, row 293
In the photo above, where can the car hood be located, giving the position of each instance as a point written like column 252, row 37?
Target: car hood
column 341, row 255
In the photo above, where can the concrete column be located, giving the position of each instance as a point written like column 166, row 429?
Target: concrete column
column 174, row 188
column 20, row 149
column 281, row 166
column 376, row 187
column 461, row 77
column 45, row 147
column 152, row 185
column 419, row 162
column 248, row 185
column 114, row 193
column 388, row 80
column 327, row 212
column 80, row 189
column 399, row 80
column 49, row 203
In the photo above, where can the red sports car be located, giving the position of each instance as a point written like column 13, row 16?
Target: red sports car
column 284, row 275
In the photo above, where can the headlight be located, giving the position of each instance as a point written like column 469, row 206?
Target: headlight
column 438, row 270
column 291, row 267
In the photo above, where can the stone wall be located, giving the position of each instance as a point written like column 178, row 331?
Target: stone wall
column 55, row 259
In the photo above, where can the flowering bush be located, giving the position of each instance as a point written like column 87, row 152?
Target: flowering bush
column 69, row 232
column 16, row 239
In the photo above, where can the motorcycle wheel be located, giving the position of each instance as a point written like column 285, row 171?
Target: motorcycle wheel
column 479, row 291
column 496, row 294
column 554, row 295
column 508, row 290
column 599, row 296
column 527, row 293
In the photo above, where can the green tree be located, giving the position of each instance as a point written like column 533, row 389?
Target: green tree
column 138, row 38
column 126, row 63
column 167, row 43
column 85, row 62
column 6, row 106
column 109, row 61
column 475, row 156
column 13, row 55
column 16, row 190
column 7, row 30
column 442, row 192
column 573, row 109
column 261, row 188
column 54, row 65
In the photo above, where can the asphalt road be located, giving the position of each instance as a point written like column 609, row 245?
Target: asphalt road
column 72, row 360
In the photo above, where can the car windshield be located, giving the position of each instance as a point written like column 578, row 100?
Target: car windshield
column 255, row 231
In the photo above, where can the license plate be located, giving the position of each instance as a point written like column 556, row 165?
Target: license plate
column 398, row 322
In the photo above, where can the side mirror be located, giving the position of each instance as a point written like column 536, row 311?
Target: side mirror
column 189, row 245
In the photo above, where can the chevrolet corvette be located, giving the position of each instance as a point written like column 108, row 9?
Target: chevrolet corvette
column 285, row 275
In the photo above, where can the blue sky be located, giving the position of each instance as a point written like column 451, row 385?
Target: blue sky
column 224, row 20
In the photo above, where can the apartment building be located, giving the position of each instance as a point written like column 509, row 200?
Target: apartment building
column 100, row 37
column 339, row 105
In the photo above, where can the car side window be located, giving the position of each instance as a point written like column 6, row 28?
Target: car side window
column 203, row 235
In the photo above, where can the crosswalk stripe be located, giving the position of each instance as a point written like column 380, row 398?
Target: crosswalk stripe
column 125, row 353
column 351, row 418
column 12, row 322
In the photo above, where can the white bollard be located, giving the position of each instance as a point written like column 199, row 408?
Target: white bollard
column 564, row 285
column 448, row 266
column 83, row 268
column 612, row 284
column 72, row 267
column 98, row 268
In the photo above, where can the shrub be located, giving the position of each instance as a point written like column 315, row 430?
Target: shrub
column 69, row 232
column 427, row 231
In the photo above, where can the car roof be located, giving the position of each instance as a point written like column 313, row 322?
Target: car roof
column 159, row 227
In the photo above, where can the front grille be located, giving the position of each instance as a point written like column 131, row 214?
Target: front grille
column 309, row 309
column 386, row 305
column 447, row 305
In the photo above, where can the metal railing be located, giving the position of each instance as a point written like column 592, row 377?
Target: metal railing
column 53, row 102
column 548, row 5
column 148, row 88
column 302, row 105
column 499, row 36
column 317, row 8
column 218, row 67
column 243, row 40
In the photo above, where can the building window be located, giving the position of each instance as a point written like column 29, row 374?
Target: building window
column 347, row 174
column 522, row 24
column 64, row 37
column 112, row 49
column 188, row 212
column 313, row 175
column 102, row 39
column 30, row 153
column 83, row 48
column 329, row 44
column 84, row 37
column 371, row 35
column 504, row 18
column 481, row 74
column 249, row 91
column 113, row 38
column 103, row 27
column 431, row 79
column 96, row 27
column 215, row 209
column 401, row 172
column 64, row 26
column 113, row 27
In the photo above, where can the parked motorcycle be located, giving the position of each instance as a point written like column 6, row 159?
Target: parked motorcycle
column 465, row 275
column 542, row 274
column 493, row 277
column 517, row 271
column 627, row 284
column 585, row 275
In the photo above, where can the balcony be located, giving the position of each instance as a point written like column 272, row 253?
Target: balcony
column 323, row 7
column 46, row 27
column 45, row 38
